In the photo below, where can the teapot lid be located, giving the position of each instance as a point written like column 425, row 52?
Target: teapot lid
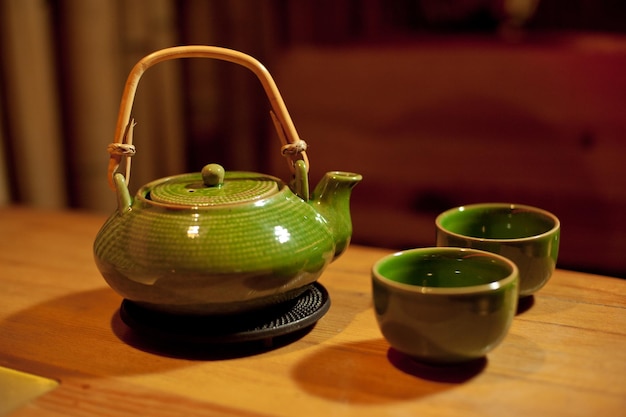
column 213, row 187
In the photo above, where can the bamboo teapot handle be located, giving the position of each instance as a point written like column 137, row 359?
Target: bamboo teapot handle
column 292, row 146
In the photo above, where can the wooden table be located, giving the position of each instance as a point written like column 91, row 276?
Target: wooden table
column 564, row 356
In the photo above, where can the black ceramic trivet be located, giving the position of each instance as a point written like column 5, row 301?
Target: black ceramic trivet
column 277, row 320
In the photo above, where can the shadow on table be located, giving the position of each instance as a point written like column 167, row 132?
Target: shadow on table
column 524, row 304
column 446, row 373
column 72, row 333
column 369, row 372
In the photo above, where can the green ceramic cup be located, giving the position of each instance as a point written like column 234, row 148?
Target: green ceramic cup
column 444, row 305
column 527, row 235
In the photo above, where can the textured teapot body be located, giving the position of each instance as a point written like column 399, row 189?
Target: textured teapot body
column 223, row 258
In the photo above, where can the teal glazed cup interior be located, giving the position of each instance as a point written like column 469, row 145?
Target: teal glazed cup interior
column 527, row 235
column 444, row 305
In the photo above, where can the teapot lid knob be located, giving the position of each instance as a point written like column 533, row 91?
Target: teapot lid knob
column 213, row 175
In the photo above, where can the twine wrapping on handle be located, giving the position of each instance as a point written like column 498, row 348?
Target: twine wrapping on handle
column 125, row 149
column 293, row 148
column 290, row 149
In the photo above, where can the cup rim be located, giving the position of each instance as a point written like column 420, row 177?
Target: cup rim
column 496, row 205
column 465, row 290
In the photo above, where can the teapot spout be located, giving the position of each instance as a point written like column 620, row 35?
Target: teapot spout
column 331, row 199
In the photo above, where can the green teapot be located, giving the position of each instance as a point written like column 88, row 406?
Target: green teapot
column 216, row 241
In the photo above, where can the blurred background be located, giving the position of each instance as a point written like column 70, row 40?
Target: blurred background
column 437, row 103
